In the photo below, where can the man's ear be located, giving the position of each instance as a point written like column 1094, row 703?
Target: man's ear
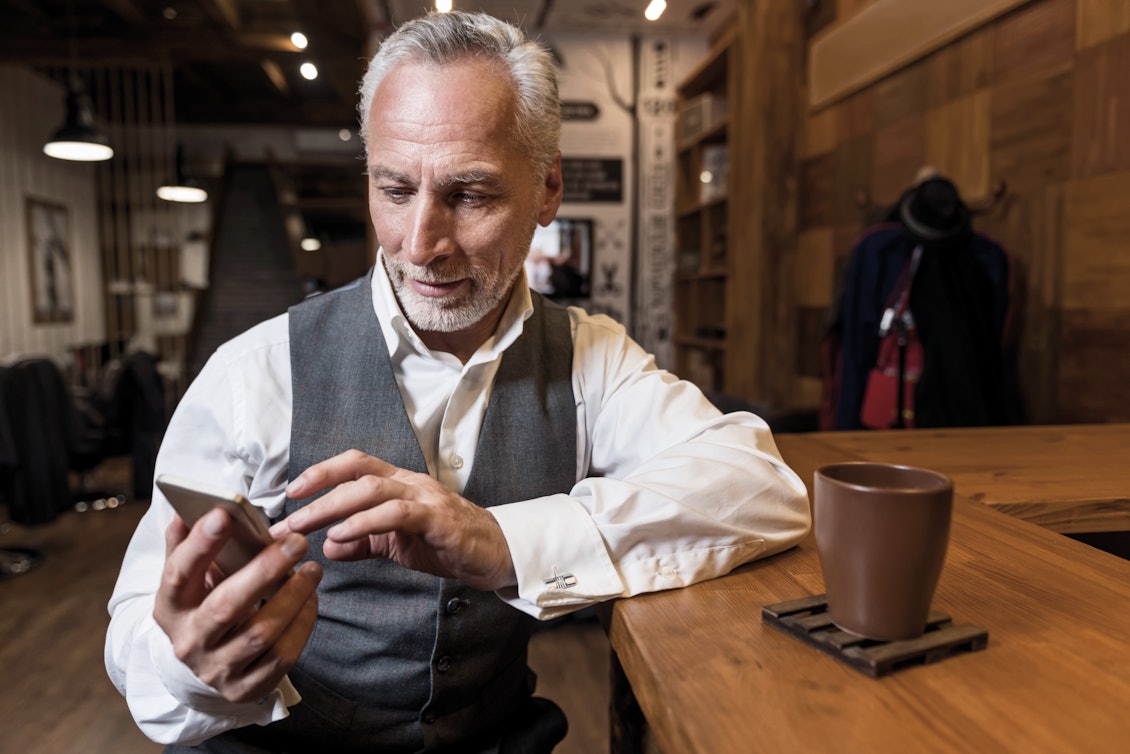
column 554, row 191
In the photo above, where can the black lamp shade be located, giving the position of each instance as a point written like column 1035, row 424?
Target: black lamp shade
column 79, row 139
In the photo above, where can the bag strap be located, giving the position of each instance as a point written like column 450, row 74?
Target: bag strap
column 898, row 303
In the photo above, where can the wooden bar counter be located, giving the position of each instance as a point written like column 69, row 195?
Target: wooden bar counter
column 1071, row 479
column 711, row 677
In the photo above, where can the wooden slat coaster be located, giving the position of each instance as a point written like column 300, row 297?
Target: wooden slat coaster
column 808, row 620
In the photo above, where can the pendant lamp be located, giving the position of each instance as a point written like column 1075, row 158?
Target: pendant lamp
column 78, row 139
column 183, row 188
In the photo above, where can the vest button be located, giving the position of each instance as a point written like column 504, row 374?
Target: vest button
column 428, row 717
column 454, row 605
column 443, row 664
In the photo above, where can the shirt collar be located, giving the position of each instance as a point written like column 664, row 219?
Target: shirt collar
column 402, row 339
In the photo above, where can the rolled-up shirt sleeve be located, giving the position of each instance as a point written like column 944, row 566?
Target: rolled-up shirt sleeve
column 671, row 491
column 205, row 439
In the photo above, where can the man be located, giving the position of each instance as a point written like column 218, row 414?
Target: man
column 459, row 454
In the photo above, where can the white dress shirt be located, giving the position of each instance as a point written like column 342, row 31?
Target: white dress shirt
column 671, row 492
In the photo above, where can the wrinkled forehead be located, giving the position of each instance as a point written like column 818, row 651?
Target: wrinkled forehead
column 468, row 92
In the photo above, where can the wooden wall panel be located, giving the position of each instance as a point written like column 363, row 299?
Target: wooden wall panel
column 855, row 116
column 1030, row 138
column 960, row 69
column 1102, row 109
column 887, row 35
column 820, row 134
column 845, row 9
column 764, row 212
column 1029, row 223
column 1096, row 268
column 1100, row 20
column 1094, row 365
column 901, row 95
column 1037, row 99
column 1038, row 39
column 957, row 142
column 814, row 258
column 900, row 151
column 812, row 323
column 816, row 188
column 854, row 161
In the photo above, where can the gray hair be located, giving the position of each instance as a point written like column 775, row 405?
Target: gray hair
column 440, row 38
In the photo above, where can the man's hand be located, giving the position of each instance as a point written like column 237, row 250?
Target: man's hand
column 220, row 627
column 388, row 512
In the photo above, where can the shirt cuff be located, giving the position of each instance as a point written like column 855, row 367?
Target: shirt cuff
column 559, row 556
column 193, row 693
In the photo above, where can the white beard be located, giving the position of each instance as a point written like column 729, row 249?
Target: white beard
column 450, row 313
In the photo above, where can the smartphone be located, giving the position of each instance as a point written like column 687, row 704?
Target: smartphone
column 193, row 500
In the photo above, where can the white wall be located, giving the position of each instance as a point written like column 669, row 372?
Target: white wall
column 634, row 238
column 31, row 107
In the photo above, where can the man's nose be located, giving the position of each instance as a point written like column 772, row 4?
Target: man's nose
column 428, row 235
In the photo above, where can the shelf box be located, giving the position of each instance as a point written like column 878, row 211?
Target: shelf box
column 715, row 172
column 700, row 113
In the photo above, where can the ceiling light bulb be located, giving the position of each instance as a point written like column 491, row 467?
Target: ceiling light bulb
column 298, row 39
column 310, row 244
column 655, row 9
column 183, row 187
column 186, row 194
column 79, row 151
column 443, row 6
column 309, row 71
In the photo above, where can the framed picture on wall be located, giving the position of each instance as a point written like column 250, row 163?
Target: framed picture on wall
column 51, row 261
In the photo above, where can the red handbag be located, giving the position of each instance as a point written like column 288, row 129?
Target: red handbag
column 898, row 367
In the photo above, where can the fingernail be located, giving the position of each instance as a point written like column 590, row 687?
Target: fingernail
column 311, row 570
column 294, row 545
column 214, row 524
column 293, row 487
column 278, row 529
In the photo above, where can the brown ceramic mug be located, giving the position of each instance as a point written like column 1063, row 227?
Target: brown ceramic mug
column 881, row 533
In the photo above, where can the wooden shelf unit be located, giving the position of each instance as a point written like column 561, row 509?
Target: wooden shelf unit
column 702, row 217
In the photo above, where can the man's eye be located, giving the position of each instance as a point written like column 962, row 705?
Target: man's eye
column 396, row 194
column 470, row 197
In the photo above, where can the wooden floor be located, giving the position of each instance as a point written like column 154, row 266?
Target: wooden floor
column 55, row 697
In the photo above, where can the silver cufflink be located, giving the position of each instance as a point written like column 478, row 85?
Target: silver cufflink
column 561, row 580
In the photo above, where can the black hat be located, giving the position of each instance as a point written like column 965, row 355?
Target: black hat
column 933, row 212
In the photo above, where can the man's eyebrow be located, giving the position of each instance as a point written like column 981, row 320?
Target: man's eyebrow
column 473, row 176
column 470, row 177
column 387, row 174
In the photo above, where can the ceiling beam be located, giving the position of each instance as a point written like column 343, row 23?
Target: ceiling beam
column 276, row 76
column 159, row 45
column 127, row 10
column 223, row 12
column 324, row 30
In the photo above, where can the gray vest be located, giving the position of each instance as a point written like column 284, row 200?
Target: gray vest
column 401, row 661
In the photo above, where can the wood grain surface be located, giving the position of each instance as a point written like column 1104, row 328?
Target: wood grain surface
column 711, row 677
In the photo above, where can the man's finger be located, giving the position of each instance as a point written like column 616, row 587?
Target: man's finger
column 241, row 593
column 346, row 500
column 289, row 627
column 344, row 467
column 190, row 554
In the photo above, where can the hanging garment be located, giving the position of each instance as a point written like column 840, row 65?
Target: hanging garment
column 959, row 302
